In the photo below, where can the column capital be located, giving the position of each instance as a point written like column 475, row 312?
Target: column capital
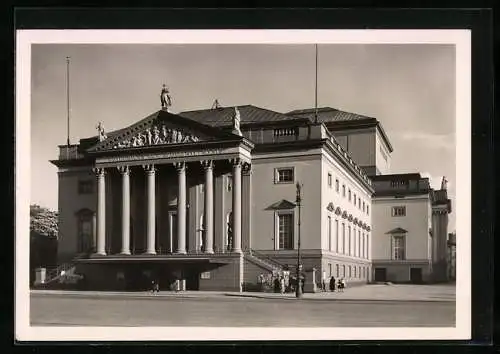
column 124, row 170
column 99, row 171
column 150, row 168
column 179, row 166
column 207, row 164
column 235, row 161
column 246, row 168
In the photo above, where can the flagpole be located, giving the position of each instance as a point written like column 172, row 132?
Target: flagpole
column 316, row 89
column 67, row 97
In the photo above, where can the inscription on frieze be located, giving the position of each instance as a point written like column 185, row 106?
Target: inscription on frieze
column 163, row 155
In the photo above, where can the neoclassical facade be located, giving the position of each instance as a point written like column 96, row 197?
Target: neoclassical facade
column 208, row 198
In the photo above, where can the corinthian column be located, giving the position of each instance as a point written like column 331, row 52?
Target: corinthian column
column 209, row 206
column 181, row 208
column 101, row 211
column 236, row 205
column 151, row 218
column 125, row 172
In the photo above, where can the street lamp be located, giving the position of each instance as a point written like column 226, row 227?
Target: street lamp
column 298, row 288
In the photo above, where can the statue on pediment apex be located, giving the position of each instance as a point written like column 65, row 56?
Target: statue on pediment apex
column 166, row 100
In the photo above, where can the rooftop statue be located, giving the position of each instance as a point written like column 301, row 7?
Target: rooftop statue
column 166, row 100
column 101, row 134
column 444, row 183
column 236, row 121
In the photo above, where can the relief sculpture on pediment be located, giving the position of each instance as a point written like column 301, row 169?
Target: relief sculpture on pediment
column 155, row 136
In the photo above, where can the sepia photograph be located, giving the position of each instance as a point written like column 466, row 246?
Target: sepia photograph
column 246, row 185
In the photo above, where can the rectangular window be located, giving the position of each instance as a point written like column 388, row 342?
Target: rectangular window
column 363, row 206
column 336, row 185
column 398, row 184
column 349, row 240
column 285, row 231
column 330, row 269
column 350, row 272
column 205, row 275
column 343, row 271
column 284, row 175
column 337, row 270
column 367, row 246
column 85, row 187
column 399, row 211
column 363, row 245
column 343, row 238
column 354, row 271
column 354, row 241
column 367, row 210
column 359, row 203
column 359, row 243
column 349, row 195
column 398, row 247
column 343, row 190
column 330, row 180
column 355, row 199
column 337, row 236
column 329, row 233
column 359, row 272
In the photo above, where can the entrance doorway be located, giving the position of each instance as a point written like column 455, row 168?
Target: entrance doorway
column 380, row 274
column 416, row 275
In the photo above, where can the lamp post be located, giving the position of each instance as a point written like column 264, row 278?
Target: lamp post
column 298, row 288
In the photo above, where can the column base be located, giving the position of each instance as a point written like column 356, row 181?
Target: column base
column 180, row 252
column 125, row 253
column 238, row 250
column 209, row 251
column 102, row 253
column 150, row 253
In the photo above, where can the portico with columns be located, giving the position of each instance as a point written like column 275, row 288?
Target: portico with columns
column 160, row 200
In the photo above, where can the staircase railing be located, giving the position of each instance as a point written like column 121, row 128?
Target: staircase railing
column 267, row 258
column 57, row 272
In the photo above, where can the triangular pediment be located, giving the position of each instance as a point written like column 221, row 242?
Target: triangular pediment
column 282, row 204
column 161, row 128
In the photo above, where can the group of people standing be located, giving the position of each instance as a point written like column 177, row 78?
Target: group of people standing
column 338, row 285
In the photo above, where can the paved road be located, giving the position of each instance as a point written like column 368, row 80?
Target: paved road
column 67, row 310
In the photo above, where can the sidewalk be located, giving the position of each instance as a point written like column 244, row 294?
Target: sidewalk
column 435, row 293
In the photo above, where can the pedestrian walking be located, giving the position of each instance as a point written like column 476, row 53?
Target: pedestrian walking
column 282, row 285
column 323, row 281
column 332, row 284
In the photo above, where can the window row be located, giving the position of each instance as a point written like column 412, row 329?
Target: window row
column 343, row 271
column 347, row 240
column 351, row 196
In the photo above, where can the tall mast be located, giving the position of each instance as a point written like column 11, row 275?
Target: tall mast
column 67, row 96
column 316, row 89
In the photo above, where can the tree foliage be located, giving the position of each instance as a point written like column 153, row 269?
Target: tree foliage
column 43, row 221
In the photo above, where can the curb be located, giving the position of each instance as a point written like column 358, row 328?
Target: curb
column 220, row 295
column 338, row 299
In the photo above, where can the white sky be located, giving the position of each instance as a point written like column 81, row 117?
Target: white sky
column 410, row 88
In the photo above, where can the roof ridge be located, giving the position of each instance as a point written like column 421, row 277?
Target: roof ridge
column 215, row 109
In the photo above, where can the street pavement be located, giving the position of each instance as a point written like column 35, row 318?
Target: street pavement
column 363, row 306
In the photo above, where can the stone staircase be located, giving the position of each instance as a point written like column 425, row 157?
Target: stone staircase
column 264, row 261
column 63, row 273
